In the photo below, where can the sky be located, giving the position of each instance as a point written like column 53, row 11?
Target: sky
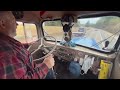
column 91, row 20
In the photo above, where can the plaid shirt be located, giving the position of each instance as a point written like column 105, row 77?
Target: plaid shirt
column 15, row 61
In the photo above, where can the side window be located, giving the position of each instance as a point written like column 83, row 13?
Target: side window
column 26, row 32
column 20, row 35
column 30, row 32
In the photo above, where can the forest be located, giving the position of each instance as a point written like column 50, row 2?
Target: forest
column 108, row 23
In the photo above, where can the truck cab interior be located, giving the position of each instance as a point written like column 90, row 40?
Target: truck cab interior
column 85, row 44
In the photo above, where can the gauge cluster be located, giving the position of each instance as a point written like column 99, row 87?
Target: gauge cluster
column 70, row 54
column 64, row 53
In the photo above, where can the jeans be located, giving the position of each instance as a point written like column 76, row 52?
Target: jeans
column 50, row 75
column 75, row 69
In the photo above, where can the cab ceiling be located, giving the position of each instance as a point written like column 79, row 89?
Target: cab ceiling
column 36, row 16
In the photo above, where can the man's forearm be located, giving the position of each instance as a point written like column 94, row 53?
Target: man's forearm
column 42, row 70
column 39, row 72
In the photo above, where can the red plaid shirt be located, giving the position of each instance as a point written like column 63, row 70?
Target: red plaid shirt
column 15, row 61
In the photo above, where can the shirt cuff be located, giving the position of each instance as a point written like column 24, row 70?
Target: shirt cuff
column 43, row 67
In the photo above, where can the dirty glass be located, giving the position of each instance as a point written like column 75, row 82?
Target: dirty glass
column 89, row 32
column 26, row 33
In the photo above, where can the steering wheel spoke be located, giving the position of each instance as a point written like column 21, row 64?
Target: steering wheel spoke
column 43, row 47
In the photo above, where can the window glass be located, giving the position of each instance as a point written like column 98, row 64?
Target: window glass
column 89, row 32
column 26, row 33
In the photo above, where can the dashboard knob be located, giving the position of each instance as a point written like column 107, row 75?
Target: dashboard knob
column 75, row 59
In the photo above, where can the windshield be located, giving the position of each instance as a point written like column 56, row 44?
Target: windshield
column 100, row 33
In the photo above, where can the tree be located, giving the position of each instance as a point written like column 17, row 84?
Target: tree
column 87, row 24
column 108, row 23
column 53, row 23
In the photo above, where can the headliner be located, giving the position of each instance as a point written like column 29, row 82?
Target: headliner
column 37, row 16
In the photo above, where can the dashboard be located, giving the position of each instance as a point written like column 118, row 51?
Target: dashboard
column 64, row 55
column 67, row 53
column 70, row 53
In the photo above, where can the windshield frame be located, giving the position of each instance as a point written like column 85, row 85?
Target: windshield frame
column 91, row 16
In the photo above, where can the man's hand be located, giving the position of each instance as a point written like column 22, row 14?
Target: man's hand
column 49, row 61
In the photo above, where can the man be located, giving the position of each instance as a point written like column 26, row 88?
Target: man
column 14, row 58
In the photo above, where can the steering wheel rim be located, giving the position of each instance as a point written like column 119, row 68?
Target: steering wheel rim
column 42, row 44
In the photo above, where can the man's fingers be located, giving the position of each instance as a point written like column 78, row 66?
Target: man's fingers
column 51, row 55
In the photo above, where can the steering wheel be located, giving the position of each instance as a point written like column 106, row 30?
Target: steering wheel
column 48, row 53
column 43, row 47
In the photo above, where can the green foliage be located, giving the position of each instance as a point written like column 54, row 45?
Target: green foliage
column 87, row 24
column 76, row 25
column 53, row 23
column 108, row 23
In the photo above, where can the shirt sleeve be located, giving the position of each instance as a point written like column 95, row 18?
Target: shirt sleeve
column 37, row 71
column 2, row 67
column 13, row 68
column 10, row 66
column 42, row 70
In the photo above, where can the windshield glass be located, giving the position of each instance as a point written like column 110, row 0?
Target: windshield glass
column 100, row 33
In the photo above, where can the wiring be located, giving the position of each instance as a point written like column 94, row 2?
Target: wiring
column 105, row 39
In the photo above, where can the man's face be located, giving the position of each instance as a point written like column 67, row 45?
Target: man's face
column 8, row 24
column 12, row 25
